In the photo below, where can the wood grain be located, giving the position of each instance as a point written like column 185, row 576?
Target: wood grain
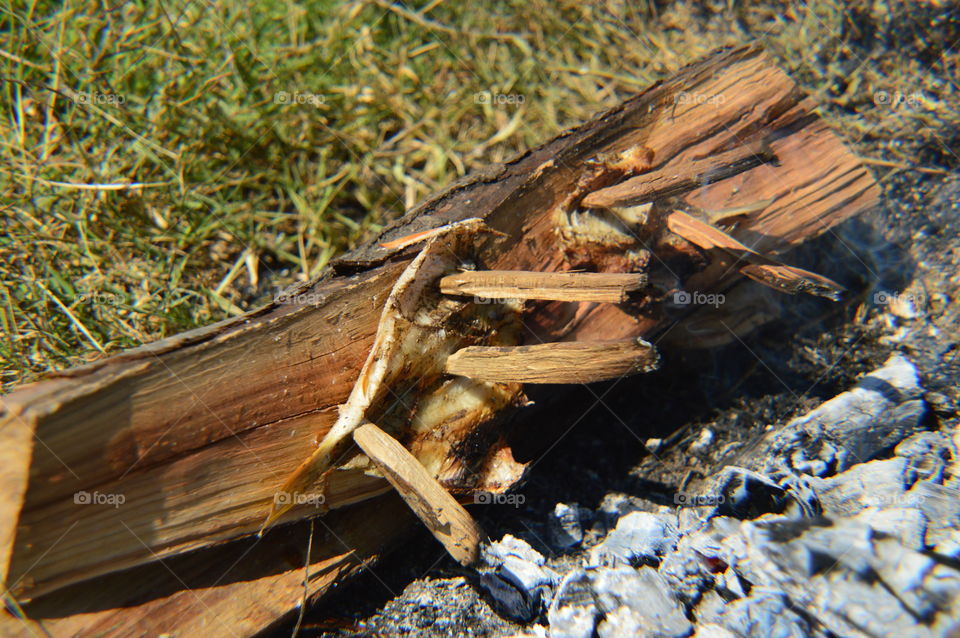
column 434, row 506
column 549, row 286
column 678, row 179
column 570, row 362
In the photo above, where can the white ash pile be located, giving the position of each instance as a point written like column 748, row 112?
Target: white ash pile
column 845, row 522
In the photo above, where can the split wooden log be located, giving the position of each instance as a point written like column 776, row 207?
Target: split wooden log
column 174, row 452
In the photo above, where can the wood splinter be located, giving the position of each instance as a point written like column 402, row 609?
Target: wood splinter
column 546, row 286
column 760, row 268
column 675, row 180
column 446, row 519
column 564, row 362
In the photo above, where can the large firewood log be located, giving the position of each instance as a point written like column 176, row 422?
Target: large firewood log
column 130, row 484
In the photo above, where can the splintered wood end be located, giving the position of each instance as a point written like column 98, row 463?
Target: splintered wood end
column 546, row 286
column 702, row 234
column 762, row 269
column 793, row 280
column 409, row 240
column 566, row 362
column 446, row 519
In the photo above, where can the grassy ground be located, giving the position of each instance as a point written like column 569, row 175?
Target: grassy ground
column 167, row 164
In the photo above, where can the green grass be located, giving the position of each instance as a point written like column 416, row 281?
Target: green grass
column 168, row 164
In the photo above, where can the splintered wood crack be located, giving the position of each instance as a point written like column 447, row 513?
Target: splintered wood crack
column 418, row 329
column 663, row 183
column 452, row 336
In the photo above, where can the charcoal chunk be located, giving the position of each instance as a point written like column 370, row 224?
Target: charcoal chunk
column 877, row 483
column 616, row 505
column 764, row 613
column 907, row 524
column 573, row 622
column 573, row 612
column 853, row 427
column 941, row 506
column 515, row 579
column 847, row 577
column 928, row 453
column 747, row 494
column 508, row 600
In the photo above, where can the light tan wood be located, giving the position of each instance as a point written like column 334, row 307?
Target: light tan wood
column 550, row 286
column 569, row 362
column 446, row 519
column 236, row 589
column 192, row 433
